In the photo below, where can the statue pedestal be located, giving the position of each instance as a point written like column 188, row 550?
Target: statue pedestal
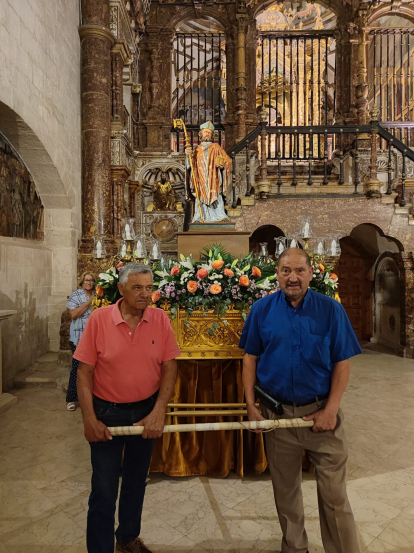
column 205, row 235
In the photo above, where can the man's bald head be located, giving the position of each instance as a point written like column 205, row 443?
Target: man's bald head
column 295, row 251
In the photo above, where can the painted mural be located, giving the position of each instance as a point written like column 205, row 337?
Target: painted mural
column 21, row 209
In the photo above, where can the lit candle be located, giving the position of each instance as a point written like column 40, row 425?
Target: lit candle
column 99, row 250
column 320, row 248
column 333, row 248
column 127, row 232
column 139, row 251
column 154, row 252
column 124, row 250
column 306, row 230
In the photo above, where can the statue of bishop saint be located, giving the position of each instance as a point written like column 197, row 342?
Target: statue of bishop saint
column 212, row 167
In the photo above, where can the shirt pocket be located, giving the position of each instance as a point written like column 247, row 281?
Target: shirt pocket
column 317, row 351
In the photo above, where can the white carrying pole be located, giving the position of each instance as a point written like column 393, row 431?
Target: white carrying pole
column 203, row 427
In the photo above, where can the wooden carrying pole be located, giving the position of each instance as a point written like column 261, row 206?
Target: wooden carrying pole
column 203, row 427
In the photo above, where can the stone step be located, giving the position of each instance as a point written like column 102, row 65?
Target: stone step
column 46, row 373
column 388, row 199
column 398, row 210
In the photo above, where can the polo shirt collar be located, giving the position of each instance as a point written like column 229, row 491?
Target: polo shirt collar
column 117, row 316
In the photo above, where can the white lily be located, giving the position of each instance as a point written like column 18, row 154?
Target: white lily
column 187, row 263
column 185, row 275
column 162, row 273
column 264, row 285
column 106, row 277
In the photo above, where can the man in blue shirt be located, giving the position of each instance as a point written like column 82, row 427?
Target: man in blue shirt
column 297, row 343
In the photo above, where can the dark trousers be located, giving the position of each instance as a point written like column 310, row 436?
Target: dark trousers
column 106, row 458
column 72, row 393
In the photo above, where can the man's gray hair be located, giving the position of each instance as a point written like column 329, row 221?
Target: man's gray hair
column 133, row 269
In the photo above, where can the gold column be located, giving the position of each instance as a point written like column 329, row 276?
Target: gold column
column 372, row 185
column 241, row 105
column 263, row 184
column 362, row 86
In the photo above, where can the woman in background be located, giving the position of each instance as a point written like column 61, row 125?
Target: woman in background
column 79, row 305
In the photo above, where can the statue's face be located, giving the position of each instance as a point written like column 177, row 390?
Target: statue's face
column 163, row 176
column 206, row 135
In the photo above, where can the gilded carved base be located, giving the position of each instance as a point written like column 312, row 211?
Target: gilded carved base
column 195, row 342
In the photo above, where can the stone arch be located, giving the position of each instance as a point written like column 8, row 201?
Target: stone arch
column 265, row 233
column 361, row 249
column 404, row 11
column 38, row 161
column 387, row 302
column 189, row 14
column 334, row 5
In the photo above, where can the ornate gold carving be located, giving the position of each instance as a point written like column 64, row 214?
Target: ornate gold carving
column 195, row 341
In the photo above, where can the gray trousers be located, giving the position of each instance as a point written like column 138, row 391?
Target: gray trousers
column 328, row 453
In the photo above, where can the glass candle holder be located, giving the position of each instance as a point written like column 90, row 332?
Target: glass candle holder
column 99, row 249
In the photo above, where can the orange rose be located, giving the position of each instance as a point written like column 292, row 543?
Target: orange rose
column 244, row 280
column 155, row 296
column 192, row 286
column 215, row 289
column 99, row 291
column 218, row 264
column 256, row 271
column 202, row 273
column 333, row 276
column 228, row 273
column 272, row 292
column 175, row 270
column 120, row 265
column 321, row 267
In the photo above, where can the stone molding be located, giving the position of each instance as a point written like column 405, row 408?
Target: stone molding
column 96, row 31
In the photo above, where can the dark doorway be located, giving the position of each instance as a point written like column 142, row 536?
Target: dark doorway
column 267, row 234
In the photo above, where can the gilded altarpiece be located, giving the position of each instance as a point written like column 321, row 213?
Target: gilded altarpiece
column 21, row 209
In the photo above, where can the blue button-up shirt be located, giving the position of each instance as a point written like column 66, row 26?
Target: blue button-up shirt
column 298, row 347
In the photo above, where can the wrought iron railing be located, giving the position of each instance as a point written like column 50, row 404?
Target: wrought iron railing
column 296, row 147
column 178, row 143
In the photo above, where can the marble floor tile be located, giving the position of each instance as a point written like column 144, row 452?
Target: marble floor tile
column 51, row 472
column 386, row 489
column 158, row 535
column 400, row 532
column 56, row 530
column 45, row 477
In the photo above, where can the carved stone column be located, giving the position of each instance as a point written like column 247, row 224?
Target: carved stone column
column 405, row 262
column 241, row 106
column 344, row 92
column 362, row 86
column 119, row 178
column 263, row 184
column 157, row 115
column 119, row 56
column 372, row 185
column 133, row 187
column 96, row 43
column 251, row 52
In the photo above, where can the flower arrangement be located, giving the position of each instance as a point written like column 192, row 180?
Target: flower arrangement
column 324, row 281
column 215, row 283
column 106, row 287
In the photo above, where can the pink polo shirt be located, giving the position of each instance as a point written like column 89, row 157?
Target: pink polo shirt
column 127, row 365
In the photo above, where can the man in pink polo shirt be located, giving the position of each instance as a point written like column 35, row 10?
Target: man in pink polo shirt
column 126, row 376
